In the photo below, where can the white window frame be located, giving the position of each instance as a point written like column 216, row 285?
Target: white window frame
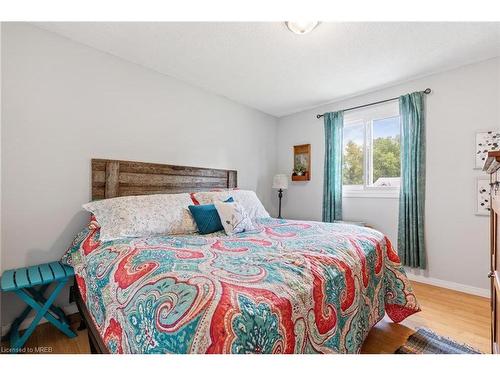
column 367, row 116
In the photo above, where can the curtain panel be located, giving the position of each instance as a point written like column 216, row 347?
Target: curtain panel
column 411, row 239
column 332, row 185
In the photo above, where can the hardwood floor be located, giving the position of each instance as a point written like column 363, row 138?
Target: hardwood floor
column 462, row 317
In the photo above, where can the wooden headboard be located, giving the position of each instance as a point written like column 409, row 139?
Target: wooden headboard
column 118, row 178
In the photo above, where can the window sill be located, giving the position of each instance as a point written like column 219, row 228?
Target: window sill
column 387, row 194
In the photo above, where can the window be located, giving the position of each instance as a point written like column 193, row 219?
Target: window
column 371, row 146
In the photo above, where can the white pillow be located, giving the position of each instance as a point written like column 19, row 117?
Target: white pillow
column 143, row 215
column 247, row 198
column 233, row 217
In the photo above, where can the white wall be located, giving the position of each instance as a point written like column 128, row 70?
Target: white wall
column 64, row 103
column 463, row 101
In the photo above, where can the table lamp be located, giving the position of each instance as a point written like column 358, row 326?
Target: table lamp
column 280, row 182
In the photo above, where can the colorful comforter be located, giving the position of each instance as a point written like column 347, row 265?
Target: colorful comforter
column 290, row 287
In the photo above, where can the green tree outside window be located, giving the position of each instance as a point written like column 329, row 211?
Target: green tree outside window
column 386, row 160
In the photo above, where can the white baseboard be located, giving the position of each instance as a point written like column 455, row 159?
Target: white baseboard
column 68, row 310
column 450, row 285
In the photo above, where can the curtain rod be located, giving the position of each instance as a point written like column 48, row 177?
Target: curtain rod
column 426, row 91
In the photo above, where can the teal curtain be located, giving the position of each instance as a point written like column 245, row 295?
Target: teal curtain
column 411, row 239
column 332, row 186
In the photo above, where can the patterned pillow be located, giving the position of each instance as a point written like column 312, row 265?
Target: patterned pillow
column 206, row 217
column 247, row 198
column 143, row 215
column 234, row 217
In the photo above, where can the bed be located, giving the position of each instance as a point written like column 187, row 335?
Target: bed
column 287, row 287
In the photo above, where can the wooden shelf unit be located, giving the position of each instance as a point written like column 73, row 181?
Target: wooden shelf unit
column 304, row 177
column 492, row 167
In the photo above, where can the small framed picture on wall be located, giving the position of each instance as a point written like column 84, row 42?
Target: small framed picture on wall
column 482, row 196
column 485, row 141
column 301, row 163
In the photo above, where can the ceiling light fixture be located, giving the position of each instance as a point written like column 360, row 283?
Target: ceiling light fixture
column 301, row 27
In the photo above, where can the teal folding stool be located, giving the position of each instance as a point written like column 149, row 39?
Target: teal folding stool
column 22, row 281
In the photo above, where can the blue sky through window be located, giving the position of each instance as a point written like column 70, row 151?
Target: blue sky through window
column 355, row 133
column 383, row 128
column 387, row 127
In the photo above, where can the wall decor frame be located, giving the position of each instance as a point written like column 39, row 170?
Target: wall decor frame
column 482, row 196
column 301, row 162
column 484, row 141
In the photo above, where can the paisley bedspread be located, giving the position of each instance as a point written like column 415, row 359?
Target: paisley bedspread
column 289, row 287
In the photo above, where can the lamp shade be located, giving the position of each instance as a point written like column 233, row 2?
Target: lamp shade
column 280, row 181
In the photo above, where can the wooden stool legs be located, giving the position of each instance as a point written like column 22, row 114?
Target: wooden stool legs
column 36, row 301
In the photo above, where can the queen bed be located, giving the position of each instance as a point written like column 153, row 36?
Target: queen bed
column 285, row 287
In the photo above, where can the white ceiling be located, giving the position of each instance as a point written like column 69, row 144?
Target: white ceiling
column 265, row 66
